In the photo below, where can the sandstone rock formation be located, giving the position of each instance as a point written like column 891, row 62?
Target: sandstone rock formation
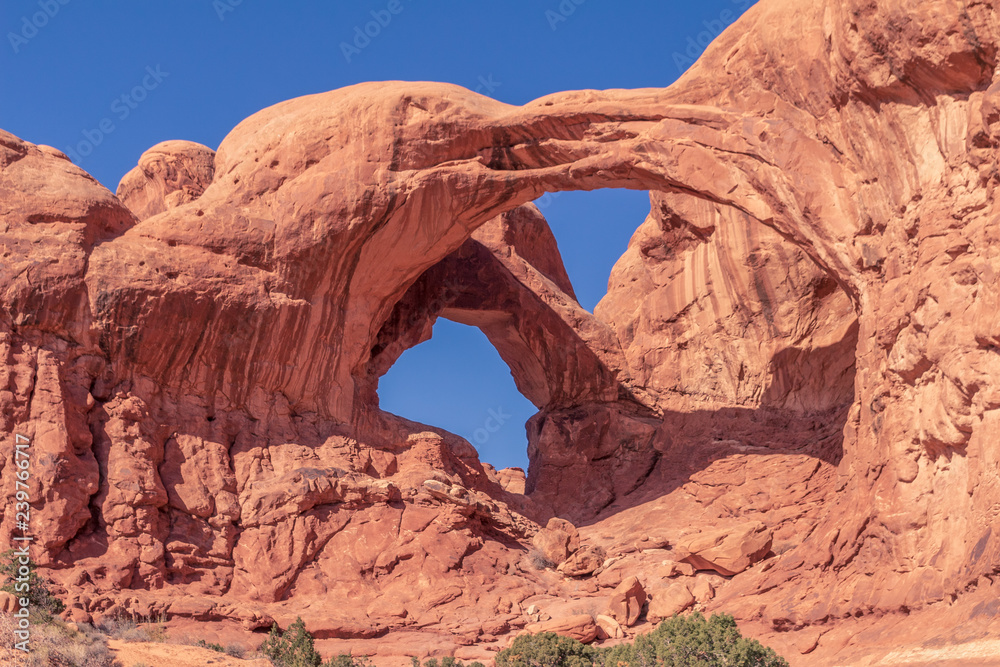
column 608, row 628
column 669, row 600
column 803, row 336
column 169, row 174
column 626, row 602
column 580, row 627
column 674, row 569
column 585, row 560
column 557, row 541
column 728, row 550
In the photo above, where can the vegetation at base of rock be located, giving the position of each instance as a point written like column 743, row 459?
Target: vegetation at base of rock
column 295, row 648
column 694, row 641
column 134, row 628
column 547, row 649
column 347, row 660
column 539, row 561
column 292, row 648
column 40, row 598
column 56, row 644
column 445, row 662
column 236, row 650
column 682, row 641
column 211, row 645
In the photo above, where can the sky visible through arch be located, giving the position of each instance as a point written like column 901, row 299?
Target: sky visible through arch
column 105, row 81
column 457, row 381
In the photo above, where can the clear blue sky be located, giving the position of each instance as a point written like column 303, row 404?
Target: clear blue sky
column 111, row 79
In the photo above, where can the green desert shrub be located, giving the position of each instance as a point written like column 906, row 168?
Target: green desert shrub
column 291, row 648
column 547, row 649
column 40, row 597
column 295, row 648
column 682, row 641
column 211, row 646
column 445, row 662
column 693, row 641
column 347, row 660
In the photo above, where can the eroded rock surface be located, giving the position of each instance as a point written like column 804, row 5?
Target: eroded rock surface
column 802, row 336
column 728, row 550
column 169, row 174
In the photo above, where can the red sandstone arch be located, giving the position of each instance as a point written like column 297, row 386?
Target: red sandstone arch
column 248, row 316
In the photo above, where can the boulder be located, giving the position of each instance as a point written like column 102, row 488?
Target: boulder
column 671, row 568
column 580, row 627
column 670, row 600
column 585, row 560
column 608, row 628
column 727, row 550
column 8, row 602
column 702, row 590
column 625, row 604
column 77, row 615
column 557, row 540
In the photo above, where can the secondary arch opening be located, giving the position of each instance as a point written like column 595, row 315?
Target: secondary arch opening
column 457, row 381
column 712, row 317
column 593, row 229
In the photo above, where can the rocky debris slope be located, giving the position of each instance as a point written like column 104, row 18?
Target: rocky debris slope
column 791, row 381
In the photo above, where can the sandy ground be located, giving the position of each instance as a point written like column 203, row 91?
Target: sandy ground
column 979, row 653
column 175, row 655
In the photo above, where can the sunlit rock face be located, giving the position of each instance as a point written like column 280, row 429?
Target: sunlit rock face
column 800, row 344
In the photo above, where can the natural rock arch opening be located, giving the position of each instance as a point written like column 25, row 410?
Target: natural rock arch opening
column 593, row 229
column 476, row 251
column 756, row 347
column 457, row 381
column 753, row 349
